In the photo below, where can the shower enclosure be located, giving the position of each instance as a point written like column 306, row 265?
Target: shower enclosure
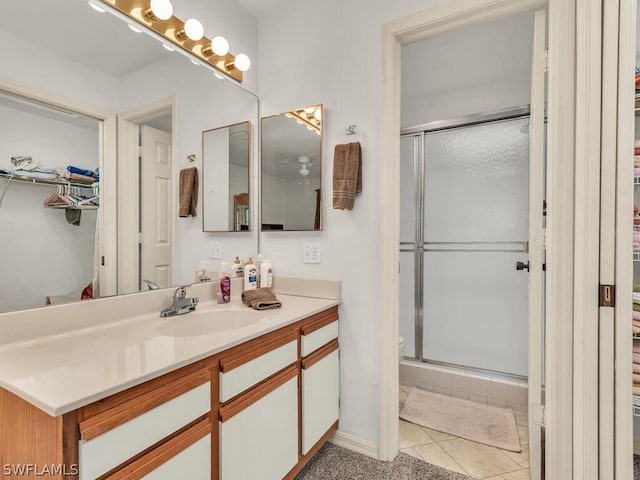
column 464, row 242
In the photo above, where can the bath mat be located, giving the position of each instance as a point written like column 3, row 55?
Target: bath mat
column 486, row 424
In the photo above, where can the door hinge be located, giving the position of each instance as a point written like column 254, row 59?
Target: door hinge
column 607, row 295
column 538, row 414
column 546, row 60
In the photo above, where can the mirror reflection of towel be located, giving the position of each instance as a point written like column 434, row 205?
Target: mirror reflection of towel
column 347, row 174
column 188, row 192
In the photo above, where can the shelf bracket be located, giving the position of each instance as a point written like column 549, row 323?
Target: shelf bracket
column 6, row 188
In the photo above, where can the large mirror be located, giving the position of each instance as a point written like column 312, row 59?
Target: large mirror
column 226, row 164
column 291, row 170
column 112, row 83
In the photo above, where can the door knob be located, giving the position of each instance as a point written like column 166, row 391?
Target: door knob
column 522, row 266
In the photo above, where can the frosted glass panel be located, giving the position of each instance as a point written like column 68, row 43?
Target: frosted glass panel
column 407, row 321
column 476, row 191
column 476, row 183
column 475, row 310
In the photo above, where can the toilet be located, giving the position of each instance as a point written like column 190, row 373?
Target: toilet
column 400, row 349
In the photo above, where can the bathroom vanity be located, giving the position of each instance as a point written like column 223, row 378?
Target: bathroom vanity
column 240, row 395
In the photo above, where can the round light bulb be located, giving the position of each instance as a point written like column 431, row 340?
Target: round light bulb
column 220, row 46
column 318, row 115
column 162, row 9
column 309, row 110
column 304, row 171
column 242, row 62
column 194, row 29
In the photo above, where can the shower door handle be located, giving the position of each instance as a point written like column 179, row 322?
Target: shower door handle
column 522, row 266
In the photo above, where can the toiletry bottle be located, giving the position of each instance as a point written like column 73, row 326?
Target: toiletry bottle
column 237, row 268
column 224, row 284
column 258, row 263
column 266, row 274
column 250, row 275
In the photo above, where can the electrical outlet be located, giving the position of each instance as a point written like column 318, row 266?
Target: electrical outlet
column 215, row 250
column 311, row 252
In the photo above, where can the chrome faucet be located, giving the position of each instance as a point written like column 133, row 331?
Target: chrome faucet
column 181, row 304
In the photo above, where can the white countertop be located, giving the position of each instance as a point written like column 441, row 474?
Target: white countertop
column 59, row 373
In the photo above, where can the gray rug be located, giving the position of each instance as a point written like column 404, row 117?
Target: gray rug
column 337, row 463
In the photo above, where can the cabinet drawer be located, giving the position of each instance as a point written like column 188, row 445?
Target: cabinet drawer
column 316, row 339
column 108, row 450
column 185, row 455
column 240, row 378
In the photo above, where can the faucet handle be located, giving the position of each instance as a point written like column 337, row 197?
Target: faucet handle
column 180, row 293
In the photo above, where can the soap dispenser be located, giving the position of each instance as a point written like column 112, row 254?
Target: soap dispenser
column 250, row 275
column 224, row 285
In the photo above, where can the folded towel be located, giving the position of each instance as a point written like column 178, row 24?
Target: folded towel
column 636, row 390
column 636, row 368
column 81, row 171
column 260, row 299
column 347, row 174
column 636, row 358
column 188, row 192
column 636, row 346
column 636, row 378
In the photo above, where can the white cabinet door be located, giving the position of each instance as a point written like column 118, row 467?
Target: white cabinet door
column 320, row 399
column 261, row 441
column 194, row 463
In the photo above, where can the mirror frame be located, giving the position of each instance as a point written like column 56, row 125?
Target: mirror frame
column 249, row 171
column 319, row 217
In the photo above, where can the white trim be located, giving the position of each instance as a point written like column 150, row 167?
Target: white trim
column 536, row 238
column 108, row 208
column 560, row 237
column 624, row 262
column 355, row 444
column 414, row 27
column 606, row 433
column 587, row 239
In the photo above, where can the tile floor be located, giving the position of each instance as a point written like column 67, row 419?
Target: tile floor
column 464, row 456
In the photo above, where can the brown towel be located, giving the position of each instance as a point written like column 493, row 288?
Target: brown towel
column 347, row 174
column 260, row 299
column 188, row 192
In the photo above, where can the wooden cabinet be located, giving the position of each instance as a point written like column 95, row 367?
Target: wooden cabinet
column 260, row 409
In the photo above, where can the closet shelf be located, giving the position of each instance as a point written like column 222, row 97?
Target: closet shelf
column 636, row 256
column 636, row 405
column 636, row 180
column 70, row 207
column 637, row 104
column 37, row 181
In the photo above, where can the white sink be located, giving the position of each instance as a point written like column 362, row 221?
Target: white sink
column 204, row 322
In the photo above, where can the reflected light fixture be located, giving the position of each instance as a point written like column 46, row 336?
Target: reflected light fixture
column 305, row 163
column 156, row 16
column 135, row 29
column 310, row 117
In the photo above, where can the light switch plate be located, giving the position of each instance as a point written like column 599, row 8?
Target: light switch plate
column 215, row 250
column 311, row 252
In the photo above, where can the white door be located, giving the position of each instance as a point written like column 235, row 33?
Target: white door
column 155, row 207
column 536, row 244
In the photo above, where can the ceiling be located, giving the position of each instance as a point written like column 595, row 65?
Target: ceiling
column 72, row 29
column 259, row 7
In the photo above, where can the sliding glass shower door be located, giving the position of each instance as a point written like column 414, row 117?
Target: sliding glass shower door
column 464, row 228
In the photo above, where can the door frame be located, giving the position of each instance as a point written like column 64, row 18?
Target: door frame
column 559, row 358
column 128, row 181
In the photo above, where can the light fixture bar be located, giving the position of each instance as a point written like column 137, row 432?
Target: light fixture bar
column 167, row 30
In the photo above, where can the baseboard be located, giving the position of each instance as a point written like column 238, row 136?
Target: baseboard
column 355, row 444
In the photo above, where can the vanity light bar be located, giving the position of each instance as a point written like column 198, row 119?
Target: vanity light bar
column 172, row 30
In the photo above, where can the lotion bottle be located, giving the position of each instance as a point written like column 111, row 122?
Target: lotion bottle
column 266, row 274
column 224, row 284
column 237, row 268
column 250, row 275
